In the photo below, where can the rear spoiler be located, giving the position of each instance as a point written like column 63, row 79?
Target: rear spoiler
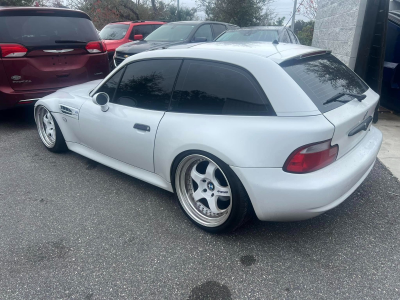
column 307, row 55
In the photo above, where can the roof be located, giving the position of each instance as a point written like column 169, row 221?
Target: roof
column 11, row 10
column 277, row 53
column 137, row 22
column 199, row 22
column 262, row 28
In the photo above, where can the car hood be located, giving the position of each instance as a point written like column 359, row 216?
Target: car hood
column 73, row 96
column 140, row 46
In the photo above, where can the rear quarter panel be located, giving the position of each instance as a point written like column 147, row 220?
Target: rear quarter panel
column 240, row 141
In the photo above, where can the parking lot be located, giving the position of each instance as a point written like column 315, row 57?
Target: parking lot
column 73, row 229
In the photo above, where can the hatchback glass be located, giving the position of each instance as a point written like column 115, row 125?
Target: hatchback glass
column 324, row 76
column 114, row 32
column 45, row 30
column 249, row 36
column 170, row 33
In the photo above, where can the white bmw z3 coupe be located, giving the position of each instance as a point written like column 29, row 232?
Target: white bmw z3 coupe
column 282, row 130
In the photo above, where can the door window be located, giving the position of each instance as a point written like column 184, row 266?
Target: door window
column 204, row 32
column 285, row 37
column 148, row 84
column 215, row 88
column 111, row 85
column 292, row 37
column 218, row 29
column 144, row 30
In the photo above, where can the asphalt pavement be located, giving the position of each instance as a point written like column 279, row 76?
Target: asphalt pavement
column 74, row 229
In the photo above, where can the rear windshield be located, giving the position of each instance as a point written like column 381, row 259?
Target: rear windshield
column 322, row 77
column 45, row 30
column 249, row 36
column 114, row 32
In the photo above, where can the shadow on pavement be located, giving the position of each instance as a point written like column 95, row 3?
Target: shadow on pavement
column 21, row 118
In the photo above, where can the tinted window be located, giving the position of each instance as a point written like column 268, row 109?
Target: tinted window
column 156, row 26
column 204, row 32
column 148, row 84
column 111, row 85
column 213, row 88
column 114, row 32
column 322, row 77
column 171, row 33
column 247, row 35
column 144, row 30
column 218, row 29
column 45, row 30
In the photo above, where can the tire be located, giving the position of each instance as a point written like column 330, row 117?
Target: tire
column 49, row 131
column 225, row 205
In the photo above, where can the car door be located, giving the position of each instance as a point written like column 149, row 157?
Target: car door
column 139, row 96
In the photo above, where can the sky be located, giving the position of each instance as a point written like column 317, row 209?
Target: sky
column 283, row 8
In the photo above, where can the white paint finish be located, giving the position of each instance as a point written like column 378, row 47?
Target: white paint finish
column 389, row 155
column 69, row 126
column 347, row 117
column 249, row 142
column 141, row 174
column 280, row 196
column 112, row 133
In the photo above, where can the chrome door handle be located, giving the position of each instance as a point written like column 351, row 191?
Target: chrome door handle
column 142, row 127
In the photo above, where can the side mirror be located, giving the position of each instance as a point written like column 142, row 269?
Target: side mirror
column 200, row 40
column 102, row 100
column 138, row 37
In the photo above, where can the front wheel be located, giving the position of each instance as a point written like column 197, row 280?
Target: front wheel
column 48, row 130
column 210, row 193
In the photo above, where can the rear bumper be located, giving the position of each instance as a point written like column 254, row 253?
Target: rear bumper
column 280, row 196
column 10, row 98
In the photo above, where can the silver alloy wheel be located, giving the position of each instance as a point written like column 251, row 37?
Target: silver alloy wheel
column 46, row 126
column 203, row 190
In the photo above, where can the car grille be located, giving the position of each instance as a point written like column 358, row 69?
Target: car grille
column 118, row 61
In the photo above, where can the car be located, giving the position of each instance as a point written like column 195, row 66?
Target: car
column 118, row 33
column 260, row 34
column 175, row 33
column 284, row 130
column 45, row 49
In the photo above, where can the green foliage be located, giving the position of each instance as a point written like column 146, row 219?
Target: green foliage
column 239, row 12
column 16, row 3
column 278, row 22
column 304, row 31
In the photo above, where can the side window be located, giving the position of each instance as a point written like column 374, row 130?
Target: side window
column 156, row 26
column 215, row 88
column 204, row 32
column 218, row 29
column 285, row 37
column 292, row 37
column 111, row 85
column 144, row 30
column 148, row 84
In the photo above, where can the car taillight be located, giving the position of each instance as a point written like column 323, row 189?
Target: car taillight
column 311, row 158
column 96, row 47
column 12, row 50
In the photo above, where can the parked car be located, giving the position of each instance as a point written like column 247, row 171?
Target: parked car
column 118, row 33
column 259, row 34
column 175, row 33
column 45, row 49
column 282, row 129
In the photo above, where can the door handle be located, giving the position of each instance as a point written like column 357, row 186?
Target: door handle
column 142, row 127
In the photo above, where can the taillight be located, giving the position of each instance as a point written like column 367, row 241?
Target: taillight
column 311, row 158
column 12, row 50
column 96, row 47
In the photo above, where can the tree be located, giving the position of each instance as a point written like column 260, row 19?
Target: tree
column 308, row 8
column 16, row 3
column 304, row 31
column 239, row 12
column 278, row 22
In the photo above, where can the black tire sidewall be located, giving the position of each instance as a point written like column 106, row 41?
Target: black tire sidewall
column 240, row 201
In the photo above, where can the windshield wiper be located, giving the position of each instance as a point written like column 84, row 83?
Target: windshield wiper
column 68, row 41
column 340, row 95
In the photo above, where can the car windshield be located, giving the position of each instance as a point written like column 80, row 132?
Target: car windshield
column 45, row 30
column 247, row 35
column 170, row 33
column 114, row 32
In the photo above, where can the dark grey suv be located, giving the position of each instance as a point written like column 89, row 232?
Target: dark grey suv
column 172, row 34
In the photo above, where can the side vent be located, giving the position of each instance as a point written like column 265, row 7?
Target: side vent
column 69, row 111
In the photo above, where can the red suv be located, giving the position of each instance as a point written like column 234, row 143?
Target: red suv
column 45, row 49
column 119, row 33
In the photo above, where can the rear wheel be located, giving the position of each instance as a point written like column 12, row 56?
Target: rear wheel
column 210, row 193
column 49, row 131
